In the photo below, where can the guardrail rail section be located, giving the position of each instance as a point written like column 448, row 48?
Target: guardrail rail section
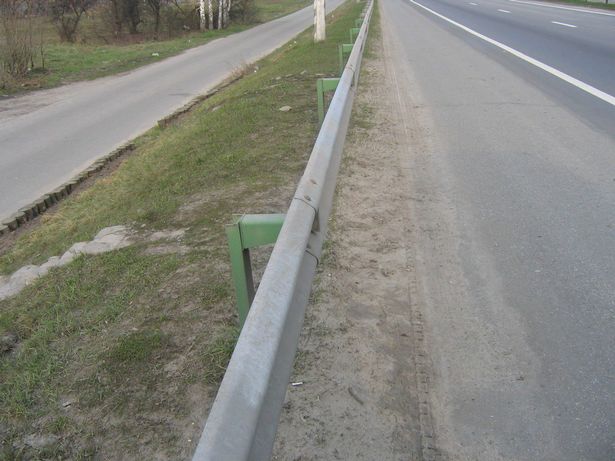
column 243, row 420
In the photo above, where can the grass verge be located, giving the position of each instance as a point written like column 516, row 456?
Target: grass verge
column 272, row 9
column 118, row 356
column 604, row 6
column 66, row 62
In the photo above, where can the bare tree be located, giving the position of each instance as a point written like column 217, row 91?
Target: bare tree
column 16, row 50
column 210, row 16
column 155, row 6
column 202, row 15
column 115, row 15
column 224, row 7
column 220, row 14
column 131, row 13
column 67, row 14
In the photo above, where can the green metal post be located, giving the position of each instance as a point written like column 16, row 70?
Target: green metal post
column 322, row 85
column 353, row 33
column 358, row 22
column 241, row 271
column 343, row 49
column 249, row 231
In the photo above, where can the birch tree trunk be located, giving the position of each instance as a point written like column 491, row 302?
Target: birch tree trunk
column 220, row 13
column 319, row 20
column 211, row 14
column 203, row 23
column 228, row 12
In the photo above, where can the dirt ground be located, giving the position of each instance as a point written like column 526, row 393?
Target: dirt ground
column 362, row 377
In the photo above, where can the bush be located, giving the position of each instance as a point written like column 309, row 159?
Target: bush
column 66, row 14
column 177, row 20
column 16, row 48
column 243, row 11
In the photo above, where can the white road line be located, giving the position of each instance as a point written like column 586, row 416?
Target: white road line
column 581, row 10
column 503, row 11
column 473, row 4
column 559, row 74
column 563, row 24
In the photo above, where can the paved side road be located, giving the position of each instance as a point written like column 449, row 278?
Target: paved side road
column 46, row 137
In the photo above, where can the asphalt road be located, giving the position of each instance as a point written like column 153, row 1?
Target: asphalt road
column 48, row 136
column 514, row 198
column 577, row 42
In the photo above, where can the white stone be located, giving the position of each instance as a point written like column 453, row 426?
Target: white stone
column 54, row 261
column 41, row 441
column 67, row 258
column 96, row 247
column 167, row 235
column 77, row 248
column 112, row 230
column 108, row 239
column 25, row 275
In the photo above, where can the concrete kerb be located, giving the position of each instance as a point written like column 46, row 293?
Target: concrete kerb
column 43, row 203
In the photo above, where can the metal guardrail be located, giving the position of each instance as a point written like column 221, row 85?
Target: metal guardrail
column 243, row 420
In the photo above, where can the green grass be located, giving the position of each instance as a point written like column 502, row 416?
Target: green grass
column 117, row 355
column 609, row 6
column 72, row 62
column 66, row 62
column 217, row 354
column 63, row 305
column 268, row 10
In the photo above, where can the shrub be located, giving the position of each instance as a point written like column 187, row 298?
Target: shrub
column 16, row 47
column 66, row 14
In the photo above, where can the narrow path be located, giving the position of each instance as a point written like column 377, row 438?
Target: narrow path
column 48, row 136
